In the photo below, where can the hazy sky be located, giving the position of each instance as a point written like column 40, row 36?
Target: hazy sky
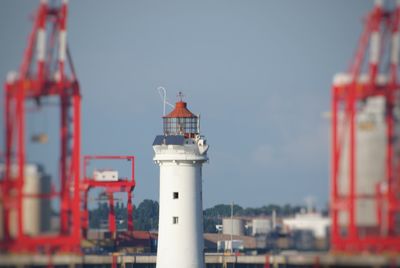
column 258, row 72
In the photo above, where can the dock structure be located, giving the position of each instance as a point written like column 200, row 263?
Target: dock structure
column 211, row 260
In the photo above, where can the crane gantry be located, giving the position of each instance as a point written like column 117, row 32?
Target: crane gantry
column 46, row 71
column 365, row 180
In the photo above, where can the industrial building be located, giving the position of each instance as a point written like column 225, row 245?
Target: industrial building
column 263, row 234
column 314, row 222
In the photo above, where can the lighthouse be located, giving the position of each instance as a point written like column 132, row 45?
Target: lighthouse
column 180, row 153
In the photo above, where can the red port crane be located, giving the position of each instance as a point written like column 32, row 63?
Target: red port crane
column 46, row 71
column 379, row 43
column 116, row 185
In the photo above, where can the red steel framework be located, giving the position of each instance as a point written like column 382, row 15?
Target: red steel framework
column 121, row 185
column 43, row 75
column 381, row 35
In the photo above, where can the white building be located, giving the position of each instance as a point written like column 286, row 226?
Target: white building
column 314, row 222
column 180, row 153
column 261, row 226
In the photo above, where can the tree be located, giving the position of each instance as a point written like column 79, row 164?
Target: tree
column 146, row 215
column 222, row 210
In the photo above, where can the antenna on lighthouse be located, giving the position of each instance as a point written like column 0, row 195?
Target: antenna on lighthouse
column 180, row 95
column 163, row 95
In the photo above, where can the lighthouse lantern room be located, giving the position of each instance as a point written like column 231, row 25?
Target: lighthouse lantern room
column 181, row 121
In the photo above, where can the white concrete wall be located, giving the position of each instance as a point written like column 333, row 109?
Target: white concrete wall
column 181, row 244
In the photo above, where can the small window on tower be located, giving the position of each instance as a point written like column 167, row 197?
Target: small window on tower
column 175, row 195
column 175, row 220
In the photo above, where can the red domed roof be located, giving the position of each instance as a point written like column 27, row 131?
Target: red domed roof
column 180, row 111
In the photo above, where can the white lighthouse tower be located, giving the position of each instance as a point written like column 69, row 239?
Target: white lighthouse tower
column 180, row 153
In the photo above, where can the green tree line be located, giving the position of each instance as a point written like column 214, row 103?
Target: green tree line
column 145, row 215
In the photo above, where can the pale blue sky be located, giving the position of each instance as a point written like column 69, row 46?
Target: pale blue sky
column 258, row 72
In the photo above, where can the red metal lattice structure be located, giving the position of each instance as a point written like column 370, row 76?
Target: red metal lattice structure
column 126, row 185
column 381, row 36
column 48, row 73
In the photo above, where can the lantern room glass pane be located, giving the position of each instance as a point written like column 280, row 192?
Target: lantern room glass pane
column 180, row 125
